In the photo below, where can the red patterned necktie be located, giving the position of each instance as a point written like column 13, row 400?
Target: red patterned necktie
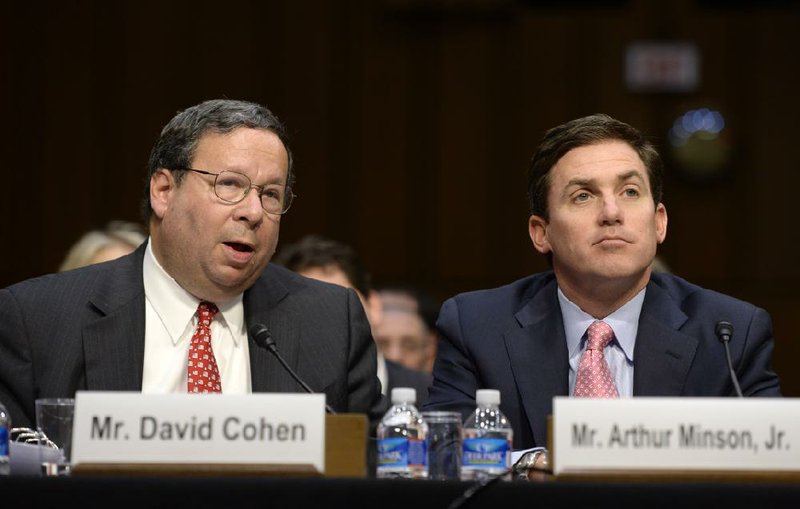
column 203, row 372
column 594, row 379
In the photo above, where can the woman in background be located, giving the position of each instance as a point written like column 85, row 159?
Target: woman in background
column 117, row 239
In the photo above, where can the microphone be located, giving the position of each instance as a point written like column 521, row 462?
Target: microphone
column 263, row 338
column 724, row 332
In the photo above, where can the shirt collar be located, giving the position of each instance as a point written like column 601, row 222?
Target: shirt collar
column 624, row 322
column 176, row 307
column 382, row 374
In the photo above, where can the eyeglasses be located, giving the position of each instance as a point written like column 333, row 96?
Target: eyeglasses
column 232, row 187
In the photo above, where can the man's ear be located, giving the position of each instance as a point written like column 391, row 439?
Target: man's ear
column 537, row 229
column 162, row 186
column 661, row 222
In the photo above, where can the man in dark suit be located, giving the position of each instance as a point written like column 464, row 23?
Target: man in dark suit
column 219, row 180
column 596, row 212
column 327, row 260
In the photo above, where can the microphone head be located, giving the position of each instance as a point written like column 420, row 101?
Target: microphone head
column 262, row 336
column 724, row 330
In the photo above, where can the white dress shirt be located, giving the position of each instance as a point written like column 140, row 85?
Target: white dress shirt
column 618, row 353
column 170, row 322
column 383, row 375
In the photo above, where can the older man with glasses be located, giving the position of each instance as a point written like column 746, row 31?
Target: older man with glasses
column 173, row 317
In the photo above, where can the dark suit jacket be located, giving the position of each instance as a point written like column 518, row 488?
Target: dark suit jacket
column 401, row 376
column 512, row 339
column 84, row 330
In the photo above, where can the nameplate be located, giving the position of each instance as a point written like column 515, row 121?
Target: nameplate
column 248, row 429
column 676, row 434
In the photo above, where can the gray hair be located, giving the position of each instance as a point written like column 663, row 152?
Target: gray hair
column 177, row 144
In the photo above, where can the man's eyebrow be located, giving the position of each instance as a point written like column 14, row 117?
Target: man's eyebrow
column 586, row 182
column 633, row 174
column 579, row 181
column 576, row 182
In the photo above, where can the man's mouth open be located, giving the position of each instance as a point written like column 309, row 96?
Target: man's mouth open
column 241, row 248
column 239, row 253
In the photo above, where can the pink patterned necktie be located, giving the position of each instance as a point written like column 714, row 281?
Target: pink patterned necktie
column 203, row 372
column 594, row 379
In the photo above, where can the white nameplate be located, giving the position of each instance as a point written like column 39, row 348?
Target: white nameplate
column 136, row 428
column 676, row 434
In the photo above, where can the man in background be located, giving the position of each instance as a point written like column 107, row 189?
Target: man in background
column 317, row 257
column 407, row 334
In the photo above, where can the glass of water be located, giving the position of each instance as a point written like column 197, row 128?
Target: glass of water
column 445, row 438
column 54, row 430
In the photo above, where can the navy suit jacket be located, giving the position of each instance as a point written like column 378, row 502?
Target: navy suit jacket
column 84, row 330
column 512, row 339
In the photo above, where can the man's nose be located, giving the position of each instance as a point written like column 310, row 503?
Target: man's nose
column 610, row 212
column 249, row 209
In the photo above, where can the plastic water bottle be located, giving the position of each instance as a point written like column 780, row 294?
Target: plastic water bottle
column 402, row 451
column 5, row 429
column 487, row 439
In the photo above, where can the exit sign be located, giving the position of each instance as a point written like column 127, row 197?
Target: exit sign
column 662, row 67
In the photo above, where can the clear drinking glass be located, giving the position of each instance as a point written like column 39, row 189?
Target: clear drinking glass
column 445, row 437
column 54, row 430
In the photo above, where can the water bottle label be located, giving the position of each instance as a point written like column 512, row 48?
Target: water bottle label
column 486, row 452
column 401, row 452
column 3, row 441
column 393, row 452
column 417, row 452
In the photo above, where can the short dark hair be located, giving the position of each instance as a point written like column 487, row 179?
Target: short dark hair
column 177, row 144
column 581, row 132
column 317, row 251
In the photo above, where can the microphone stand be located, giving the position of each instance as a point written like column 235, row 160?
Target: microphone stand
column 263, row 338
column 724, row 332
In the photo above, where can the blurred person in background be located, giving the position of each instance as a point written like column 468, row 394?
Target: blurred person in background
column 660, row 265
column 117, row 239
column 407, row 333
column 327, row 260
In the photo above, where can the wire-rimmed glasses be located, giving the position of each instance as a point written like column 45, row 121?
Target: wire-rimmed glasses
column 232, row 187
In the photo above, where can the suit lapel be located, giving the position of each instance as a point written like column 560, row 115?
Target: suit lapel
column 113, row 338
column 261, row 307
column 539, row 358
column 663, row 354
